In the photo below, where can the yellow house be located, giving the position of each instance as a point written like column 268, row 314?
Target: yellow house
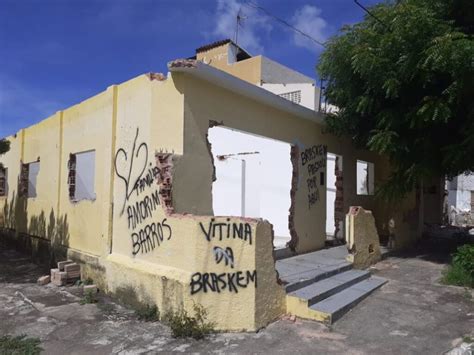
column 123, row 184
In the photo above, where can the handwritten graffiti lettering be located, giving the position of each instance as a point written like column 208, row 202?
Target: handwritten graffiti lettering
column 313, row 197
column 231, row 282
column 150, row 236
column 313, row 153
column 138, row 176
column 315, row 157
column 227, row 230
column 147, row 180
column 135, row 165
column 141, row 210
column 314, row 168
column 224, row 254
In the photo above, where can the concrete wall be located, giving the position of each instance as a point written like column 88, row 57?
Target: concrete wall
column 309, row 92
column 150, row 236
column 275, row 73
column 459, row 192
column 206, row 104
column 249, row 70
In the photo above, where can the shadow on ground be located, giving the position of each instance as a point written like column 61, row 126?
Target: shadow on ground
column 411, row 314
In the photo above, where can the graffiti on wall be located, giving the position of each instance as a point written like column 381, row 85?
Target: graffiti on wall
column 139, row 178
column 150, row 236
column 226, row 255
column 227, row 230
column 315, row 160
column 225, row 281
column 135, row 163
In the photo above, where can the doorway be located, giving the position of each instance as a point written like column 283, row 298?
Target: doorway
column 253, row 178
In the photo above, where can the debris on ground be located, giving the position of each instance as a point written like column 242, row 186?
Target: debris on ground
column 44, row 280
column 67, row 272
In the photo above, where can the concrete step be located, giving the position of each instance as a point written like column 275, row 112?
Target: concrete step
column 325, row 288
column 305, row 278
column 334, row 307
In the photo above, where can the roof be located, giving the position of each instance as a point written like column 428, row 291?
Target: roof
column 222, row 79
column 209, row 46
column 242, row 52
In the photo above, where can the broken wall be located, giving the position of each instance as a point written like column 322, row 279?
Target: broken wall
column 206, row 104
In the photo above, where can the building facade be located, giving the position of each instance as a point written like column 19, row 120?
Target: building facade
column 124, row 184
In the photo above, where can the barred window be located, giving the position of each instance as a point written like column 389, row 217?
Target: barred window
column 3, row 181
column 294, row 96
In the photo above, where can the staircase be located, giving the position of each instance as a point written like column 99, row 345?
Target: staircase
column 323, row 286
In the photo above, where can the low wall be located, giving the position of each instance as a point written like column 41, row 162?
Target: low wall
column 222, row 263
column 227, row 266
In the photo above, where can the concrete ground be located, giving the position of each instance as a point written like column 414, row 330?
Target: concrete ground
column 412, row 314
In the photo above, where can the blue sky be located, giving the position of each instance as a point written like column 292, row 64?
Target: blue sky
column 55, row 53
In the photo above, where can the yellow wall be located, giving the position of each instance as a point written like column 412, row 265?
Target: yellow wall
column 205, row 102
column 249, row 69
column 152, row 254
column 86, row 127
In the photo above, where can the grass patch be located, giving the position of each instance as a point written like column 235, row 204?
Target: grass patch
column 16, row 345
column 457, row 276
column 467, row 339
column 184, row 325
column 89, row 297
column 148, row 313
column 85, row 282
column 461, row 271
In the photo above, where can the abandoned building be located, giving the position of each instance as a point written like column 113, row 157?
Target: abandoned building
column 185, row 188
column 460, row 200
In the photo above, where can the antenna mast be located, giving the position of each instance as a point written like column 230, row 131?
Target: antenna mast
column 238, row 22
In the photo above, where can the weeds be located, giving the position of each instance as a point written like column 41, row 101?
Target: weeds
column 184, row 325
column 148, row 313
column 461, row 272
column 16, row 345
column 467, row 339
column 89, row 297
column 85, row 282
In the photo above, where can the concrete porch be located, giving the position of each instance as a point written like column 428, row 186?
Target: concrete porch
column 322, row 285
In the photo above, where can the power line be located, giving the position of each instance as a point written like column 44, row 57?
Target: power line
column 258, row 7
column 371, row 14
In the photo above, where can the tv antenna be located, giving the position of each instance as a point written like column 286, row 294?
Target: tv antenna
column 238, row 23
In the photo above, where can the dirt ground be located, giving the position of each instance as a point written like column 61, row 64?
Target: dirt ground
column 411, row 314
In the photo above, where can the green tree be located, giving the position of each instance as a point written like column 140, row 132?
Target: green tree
column 403, row 80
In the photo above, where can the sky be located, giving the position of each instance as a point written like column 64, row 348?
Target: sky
column 56, row 53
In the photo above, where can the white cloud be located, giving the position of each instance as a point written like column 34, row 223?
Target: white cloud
column 254, row 25
column 308, row 20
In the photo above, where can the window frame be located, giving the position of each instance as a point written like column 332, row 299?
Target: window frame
column 73, row 175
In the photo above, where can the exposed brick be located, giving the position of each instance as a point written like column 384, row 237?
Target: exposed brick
column 295, row 156
column 156, row 76
column 164, row 162
column 182, row 63
column 43, row 280
column 61, row 264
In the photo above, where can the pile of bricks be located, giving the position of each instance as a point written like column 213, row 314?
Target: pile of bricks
column 66, row 272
